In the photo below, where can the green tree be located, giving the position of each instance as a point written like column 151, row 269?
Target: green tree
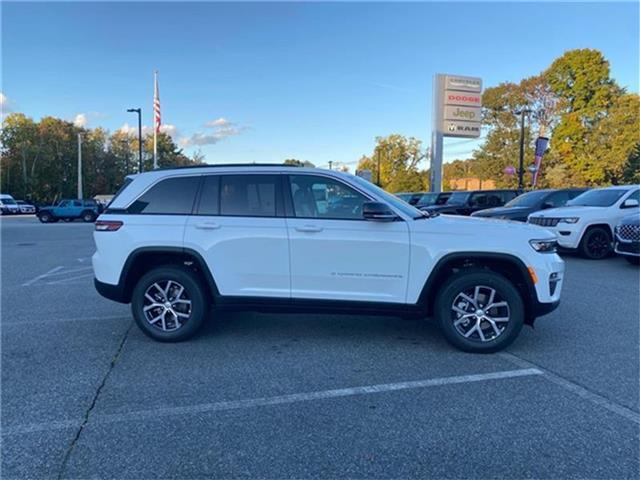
column 398, row 158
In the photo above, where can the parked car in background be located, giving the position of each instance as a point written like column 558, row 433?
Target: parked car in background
column 627, row 238
column 523, row 205
column 586, row 223
column 467, row 202
column 432, row 199
column 69, row 210
column 410, row 197
column 8, row 205
column 25, row 207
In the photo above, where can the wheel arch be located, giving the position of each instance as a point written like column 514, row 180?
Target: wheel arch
column 505, row 264
column 143, row 259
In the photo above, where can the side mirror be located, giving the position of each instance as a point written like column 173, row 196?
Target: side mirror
column 546, row 205
column 630, row 203
column 378, row 212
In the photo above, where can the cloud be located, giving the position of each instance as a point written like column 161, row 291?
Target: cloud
column 219, row 129
column 80, row 120
column 132, row 130
column 218, row 122
column 170, row 130
column 5, row 104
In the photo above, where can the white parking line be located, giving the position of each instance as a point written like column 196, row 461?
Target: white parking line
column 575, row 388
column 71, row 279
column 277, row 400
column 44, row 275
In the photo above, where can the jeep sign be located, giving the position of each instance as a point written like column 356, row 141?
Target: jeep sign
column 469, row 114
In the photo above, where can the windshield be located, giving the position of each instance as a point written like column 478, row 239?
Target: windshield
column 8, row 201
column 529, row 199
column 597, row 198
column 458, row 198
column 428, row 199
column 404, row 207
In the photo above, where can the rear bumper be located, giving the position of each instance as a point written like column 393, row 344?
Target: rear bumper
column 112, row 292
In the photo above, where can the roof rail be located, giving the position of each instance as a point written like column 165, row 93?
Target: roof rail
column 219, row 165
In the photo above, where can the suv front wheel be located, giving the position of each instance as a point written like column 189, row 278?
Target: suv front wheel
column 479, row 311
column 169, row 304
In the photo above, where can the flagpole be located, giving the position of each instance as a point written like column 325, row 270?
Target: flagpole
column 155, row 124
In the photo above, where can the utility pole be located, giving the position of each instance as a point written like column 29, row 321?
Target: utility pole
column 521, row 162
column 139, row 112
column 330, row 164
column 80, row 165
column 378, row 157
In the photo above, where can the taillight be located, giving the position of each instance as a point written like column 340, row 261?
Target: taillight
column 107, row 225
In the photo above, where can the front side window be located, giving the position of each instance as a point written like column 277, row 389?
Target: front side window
column 172, row 196
column 558, row 199
column 248, row 195
column 322, row 197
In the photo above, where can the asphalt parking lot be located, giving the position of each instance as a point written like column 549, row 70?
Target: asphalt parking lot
column 85, row 394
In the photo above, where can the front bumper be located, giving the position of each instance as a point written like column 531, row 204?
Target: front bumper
column 631, row 249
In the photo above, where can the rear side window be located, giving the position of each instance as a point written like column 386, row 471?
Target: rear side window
column 210, row 196
column 249, row 195
column 172, row 196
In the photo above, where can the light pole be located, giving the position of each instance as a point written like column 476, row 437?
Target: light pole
column 79, row 166
column 139, row 112
column 521, row 164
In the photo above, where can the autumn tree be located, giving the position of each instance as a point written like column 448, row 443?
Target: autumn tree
column 398, row 158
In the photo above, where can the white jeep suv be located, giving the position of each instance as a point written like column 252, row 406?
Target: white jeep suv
column 263, row 237
column 587, row 222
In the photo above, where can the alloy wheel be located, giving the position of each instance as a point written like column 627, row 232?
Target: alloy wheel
column 167, row 305
column 598, row 244
column 480, row 313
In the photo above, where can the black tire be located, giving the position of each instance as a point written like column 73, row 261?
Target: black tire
column 88, row 217
column 505, row 291
column 67, row 220
column 632, row 260
column 596, row 243
column 193, row 289
column 45, row 217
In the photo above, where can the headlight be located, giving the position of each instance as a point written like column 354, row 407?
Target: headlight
column 569, row 220
column 544, row 246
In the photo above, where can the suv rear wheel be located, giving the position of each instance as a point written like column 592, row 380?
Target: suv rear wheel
column 88, row 216
column 479, row 311
column 595, row 243
column 169, row 304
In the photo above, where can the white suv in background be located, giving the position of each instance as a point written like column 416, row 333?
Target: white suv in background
column 587, row 222
column 174, row 242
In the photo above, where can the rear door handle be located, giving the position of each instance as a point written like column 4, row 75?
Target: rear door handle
column 207, row 226
column 309, row 228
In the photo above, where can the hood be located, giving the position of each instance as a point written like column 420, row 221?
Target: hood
column 633, row 219
column 567, row 211
column 495, row 229
column 500, row 211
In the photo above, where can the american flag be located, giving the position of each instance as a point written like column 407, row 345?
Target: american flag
column 157, row 118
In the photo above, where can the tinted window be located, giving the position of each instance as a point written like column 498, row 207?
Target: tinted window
column 210, row 196
column 479, row 200
column 507, row 196
column 528, row 199
column 248, row 195
column 598, row 198
column 173, row 196
column 322, row 197
column 458, row 198
column 77, row 203
column 558, row 199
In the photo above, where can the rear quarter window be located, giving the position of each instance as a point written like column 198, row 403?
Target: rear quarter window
column 171, row 196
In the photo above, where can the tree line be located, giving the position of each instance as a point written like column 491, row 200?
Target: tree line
column 593, row 124
column 39, row 158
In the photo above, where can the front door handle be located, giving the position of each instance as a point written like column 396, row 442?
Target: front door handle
column 207, row 226
column 309, row 228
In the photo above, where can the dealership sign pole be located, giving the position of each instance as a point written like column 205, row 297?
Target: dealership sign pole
column 456, row 113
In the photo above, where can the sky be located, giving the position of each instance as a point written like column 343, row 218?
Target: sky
column 262, row 82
